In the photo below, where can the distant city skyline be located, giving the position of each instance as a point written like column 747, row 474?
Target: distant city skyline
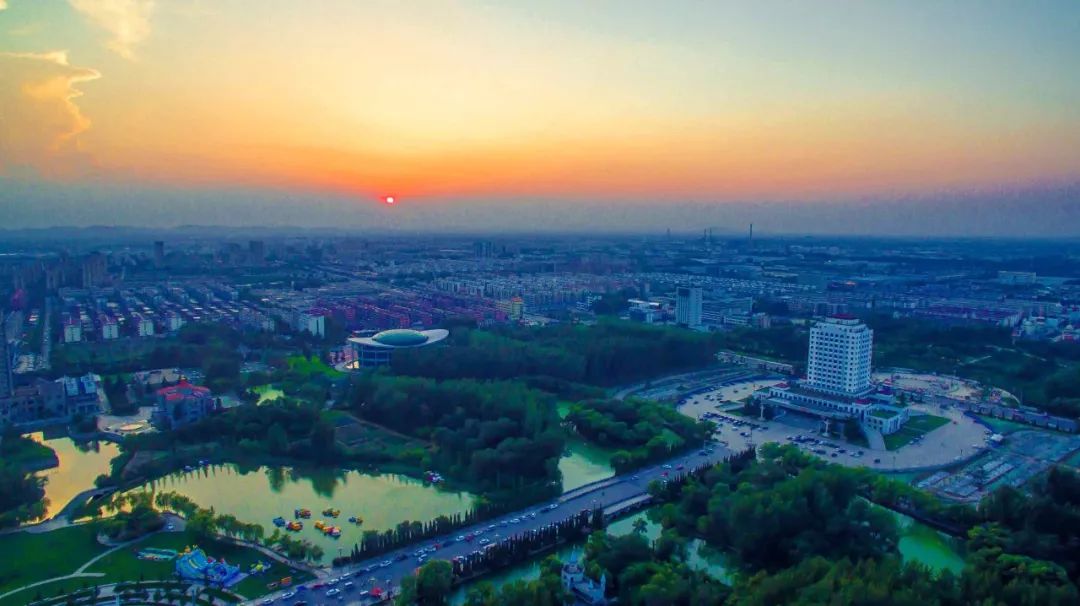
column 876, row 118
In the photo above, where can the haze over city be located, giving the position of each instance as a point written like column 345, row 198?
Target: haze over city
column 945, row 118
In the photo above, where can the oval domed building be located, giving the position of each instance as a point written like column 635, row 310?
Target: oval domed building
column 376, row 350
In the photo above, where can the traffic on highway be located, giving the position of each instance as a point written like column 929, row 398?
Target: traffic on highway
column 379, row 578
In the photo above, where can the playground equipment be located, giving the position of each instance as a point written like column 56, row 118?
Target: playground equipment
column 195, row 565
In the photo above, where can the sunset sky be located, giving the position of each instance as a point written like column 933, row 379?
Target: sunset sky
column 826, row 116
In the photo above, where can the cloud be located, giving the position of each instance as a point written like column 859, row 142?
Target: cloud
column 128, row 21
column 40, row 122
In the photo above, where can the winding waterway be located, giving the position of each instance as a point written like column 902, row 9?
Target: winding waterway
column 918, row 543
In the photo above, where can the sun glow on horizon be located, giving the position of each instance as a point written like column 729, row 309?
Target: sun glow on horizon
column 517, row 101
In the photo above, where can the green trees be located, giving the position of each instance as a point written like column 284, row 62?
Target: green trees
column 498, row 435
column 135, row 516
column 608, row 353
column 643, row 430
column 22, row 495
column 430, row 586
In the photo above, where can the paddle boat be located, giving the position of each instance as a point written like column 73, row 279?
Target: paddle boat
column 302, row 513
column 279, row 521
column 356, row 520
column 294, row 526
column 320, row 525
column 330, row 511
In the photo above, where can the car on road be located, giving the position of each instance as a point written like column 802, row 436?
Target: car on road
column 170, row 527
column 515, row 521
column 300, row 603
column 399, row 557
column 349, row 586
column 385, row 563
column 288, row 595
column 667, row 466
column 333, row 592
column 461, row 538
column 485, row 541
column 633, row 477
column 267, row 601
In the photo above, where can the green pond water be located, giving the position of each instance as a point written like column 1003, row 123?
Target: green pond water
column 583, row 463
column 267, row 393
column 80, row 463
column 918, row 543
column 260, row 494
column 699, row 557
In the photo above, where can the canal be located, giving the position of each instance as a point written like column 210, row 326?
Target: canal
column 918, row 543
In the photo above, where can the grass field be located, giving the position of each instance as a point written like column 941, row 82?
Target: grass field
column 124, row 565
column 917, row 426
column 27, row 558
column 312, row 366
column 1002, row 426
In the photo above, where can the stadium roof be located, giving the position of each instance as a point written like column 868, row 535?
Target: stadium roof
column 402, row 337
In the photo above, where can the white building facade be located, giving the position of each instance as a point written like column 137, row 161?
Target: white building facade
column 688, row 306
column 841, row 349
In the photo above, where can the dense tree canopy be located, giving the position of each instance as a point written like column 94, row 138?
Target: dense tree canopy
column 607, row 353
column 498, row 434
column 642, row 430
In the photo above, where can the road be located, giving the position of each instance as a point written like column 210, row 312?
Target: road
column 387, row 570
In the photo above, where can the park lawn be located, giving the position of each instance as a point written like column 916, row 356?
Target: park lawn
column 124, row 565
column 312, row 366
column 1003, row 426
column 29, row 558
column 48, row 590
column 917, row 426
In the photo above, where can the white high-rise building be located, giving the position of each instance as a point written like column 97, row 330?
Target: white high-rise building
column 688, row 306
column 839, row 361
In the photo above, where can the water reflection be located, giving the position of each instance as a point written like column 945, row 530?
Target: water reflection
column 80, row 464
column 260, row 494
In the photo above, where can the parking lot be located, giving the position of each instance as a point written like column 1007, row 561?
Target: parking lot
column 960, row 439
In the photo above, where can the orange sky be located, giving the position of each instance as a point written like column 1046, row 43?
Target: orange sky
column 610, row 100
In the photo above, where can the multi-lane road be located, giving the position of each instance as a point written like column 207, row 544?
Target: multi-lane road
column 353, row 584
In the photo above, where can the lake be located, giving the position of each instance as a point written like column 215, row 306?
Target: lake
column 259, row 494
column 80, row 464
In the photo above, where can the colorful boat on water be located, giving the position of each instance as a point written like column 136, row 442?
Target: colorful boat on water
column 330, row 511
column 294, row 526
column 320, row 525
column 279, row 521
column 356, row 520
column 302, row 512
